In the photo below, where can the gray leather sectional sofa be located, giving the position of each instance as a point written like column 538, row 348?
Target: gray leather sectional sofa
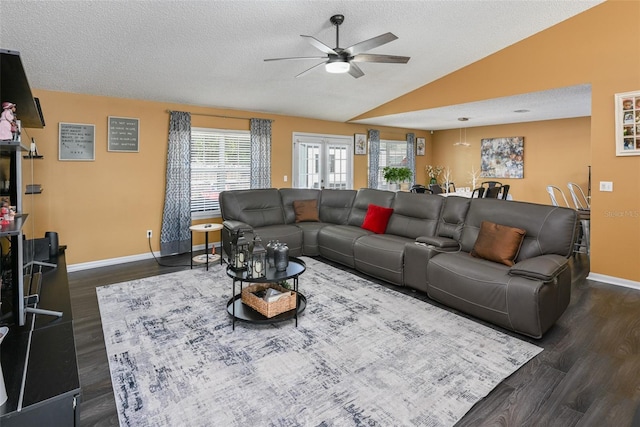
column 426, row 246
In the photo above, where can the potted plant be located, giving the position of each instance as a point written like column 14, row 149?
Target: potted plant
column 397, row 175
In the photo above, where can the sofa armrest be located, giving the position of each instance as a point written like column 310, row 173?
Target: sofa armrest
column 544, row 267
column 233, row 225
column 438, row 242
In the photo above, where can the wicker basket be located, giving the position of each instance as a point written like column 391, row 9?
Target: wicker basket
column 268, row 309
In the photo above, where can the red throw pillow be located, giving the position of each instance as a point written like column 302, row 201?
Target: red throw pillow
column 377, row 218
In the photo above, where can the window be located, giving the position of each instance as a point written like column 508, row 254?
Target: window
column 322, row 161
column 220, row 160
column 392, row 153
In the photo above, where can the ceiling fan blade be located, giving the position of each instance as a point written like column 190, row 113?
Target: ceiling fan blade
column 355, row 71
column 293, row 58
column 319, row 45
column 311, row 69
column 370, row 44
column 389, row 59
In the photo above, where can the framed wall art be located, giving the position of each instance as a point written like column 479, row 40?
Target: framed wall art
column 420, row 146
column 627, row 123
column 502, row 157
column 77, row 141
column 360, row 143
column 124, row 134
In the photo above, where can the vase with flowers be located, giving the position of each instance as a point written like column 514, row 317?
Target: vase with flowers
column 434, row 172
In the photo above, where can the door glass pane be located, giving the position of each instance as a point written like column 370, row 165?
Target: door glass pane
column 308, row 165
column 337, row 177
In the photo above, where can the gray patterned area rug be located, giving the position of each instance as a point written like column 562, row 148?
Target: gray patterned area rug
column 362, row 354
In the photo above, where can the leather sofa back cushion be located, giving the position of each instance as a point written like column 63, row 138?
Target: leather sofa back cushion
column 258, row 207
column 306, row 210
column 290, row 195
column 377, row 218
column 366, row 197
column 335, row 205
column 498, row 243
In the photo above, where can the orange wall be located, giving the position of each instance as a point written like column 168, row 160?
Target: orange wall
column 594, row 47
column 555, row 152
column 101, row 209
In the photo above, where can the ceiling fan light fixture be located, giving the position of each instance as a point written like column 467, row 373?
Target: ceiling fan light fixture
column 337, row 67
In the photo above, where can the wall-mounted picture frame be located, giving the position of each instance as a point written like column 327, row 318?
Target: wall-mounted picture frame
column 124, row 134
column 420, row 146
column 502, row 157
column 627, row 123
column 360, row 143
column 76, row 141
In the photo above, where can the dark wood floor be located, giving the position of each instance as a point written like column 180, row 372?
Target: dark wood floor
column 587, row 375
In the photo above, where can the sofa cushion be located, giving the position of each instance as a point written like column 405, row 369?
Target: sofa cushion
column 258, row 208
column 377, row 219
column 381, row 256
column 550, row 229
column 290, row 195
column 415, row 214
column 498, row 243
column 306, row 210
column 335, row 205
column 366, row 197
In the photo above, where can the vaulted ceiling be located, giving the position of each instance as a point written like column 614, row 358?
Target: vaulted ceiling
column 211, row 53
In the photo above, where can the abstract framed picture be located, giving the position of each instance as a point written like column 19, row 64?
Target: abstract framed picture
column 502, row 157
column 360, row 143
column 420, row 145
column 627, row 123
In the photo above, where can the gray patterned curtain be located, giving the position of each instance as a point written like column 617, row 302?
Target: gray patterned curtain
column 411, row 155
column 260, row 153
column 176, row 216
column 374, row 157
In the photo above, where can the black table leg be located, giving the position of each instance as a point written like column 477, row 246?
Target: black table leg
column 191, row 251
column 206, row 247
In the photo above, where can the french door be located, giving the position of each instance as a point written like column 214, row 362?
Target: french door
column 322, row 161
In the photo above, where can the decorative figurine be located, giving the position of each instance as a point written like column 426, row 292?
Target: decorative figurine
column 8, row 123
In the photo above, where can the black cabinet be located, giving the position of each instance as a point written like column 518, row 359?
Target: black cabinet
column 38, row 356
column 44, row 357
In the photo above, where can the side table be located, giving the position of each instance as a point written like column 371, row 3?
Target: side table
column 204, row 228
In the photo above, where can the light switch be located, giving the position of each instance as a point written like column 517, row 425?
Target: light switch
column 285, row 178
column 606, row 186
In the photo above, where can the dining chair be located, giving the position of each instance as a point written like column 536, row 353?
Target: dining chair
column 435, row 189
column 492, row 192
column 477, row 192
column 490, row 184
column 583, row 241
column 556, row 193
column 577, row 195
column 418, row 188
column 505, row 191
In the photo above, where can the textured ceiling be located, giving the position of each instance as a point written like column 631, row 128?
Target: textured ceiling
column 210, row 53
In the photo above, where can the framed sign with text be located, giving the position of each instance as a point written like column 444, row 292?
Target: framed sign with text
column 627, row 124
column 76, row 141
column 124, row 133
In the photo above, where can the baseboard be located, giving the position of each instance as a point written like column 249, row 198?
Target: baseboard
column 614, row 280
column 122, row 260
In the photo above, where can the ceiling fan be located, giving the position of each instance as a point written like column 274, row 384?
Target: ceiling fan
column 342, row 60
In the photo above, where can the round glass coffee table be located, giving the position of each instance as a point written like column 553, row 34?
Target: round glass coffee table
column 239, row 311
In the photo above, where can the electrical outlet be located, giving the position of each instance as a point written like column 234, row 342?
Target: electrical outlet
column 149, row 234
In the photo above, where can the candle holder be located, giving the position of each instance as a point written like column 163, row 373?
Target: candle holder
column 258, row 259
column 240, row 253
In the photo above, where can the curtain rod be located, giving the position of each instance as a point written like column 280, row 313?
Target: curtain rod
column 220, row 116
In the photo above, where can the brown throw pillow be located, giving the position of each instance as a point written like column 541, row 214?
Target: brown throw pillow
column 306, row 210
column 498, row 243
